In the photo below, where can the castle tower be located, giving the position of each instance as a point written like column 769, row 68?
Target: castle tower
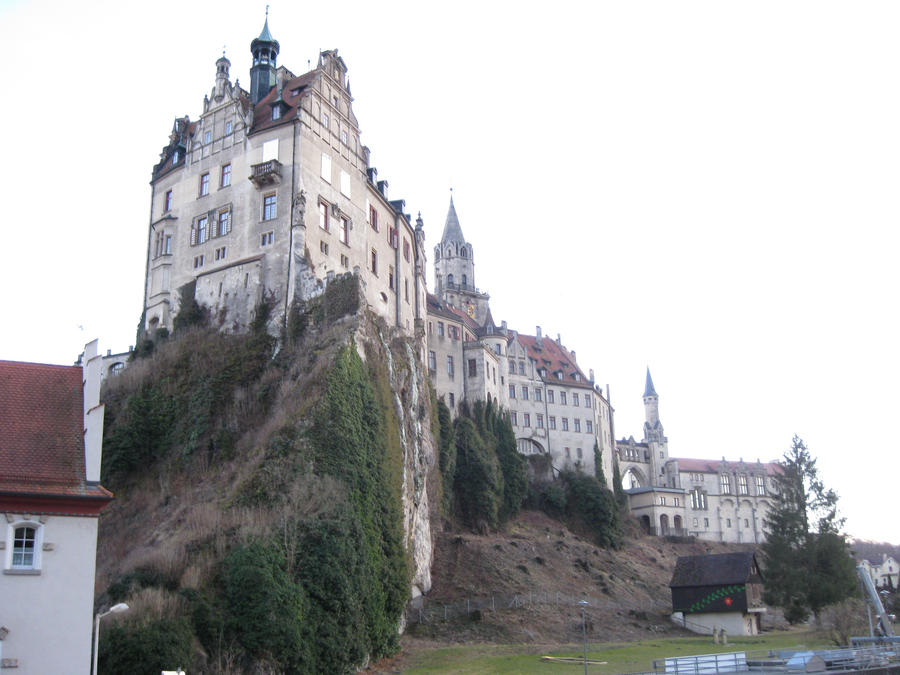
column 454, row 270
column 265, row 50
column 222, row 81
column 654, row 436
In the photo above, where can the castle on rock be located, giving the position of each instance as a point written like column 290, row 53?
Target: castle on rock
column 269, row 194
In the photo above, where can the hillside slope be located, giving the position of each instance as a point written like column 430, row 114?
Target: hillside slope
column 541, row 568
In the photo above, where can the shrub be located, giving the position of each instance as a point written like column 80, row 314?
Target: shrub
column 477, row 481
column 593, row 506
column 145, row 647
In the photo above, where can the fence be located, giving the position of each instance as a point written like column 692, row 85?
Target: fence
column 422, row 610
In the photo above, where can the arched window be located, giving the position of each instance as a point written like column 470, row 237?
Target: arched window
column 463, row 252
column 450, row 279
column 24, row 546
column 630, row 479
column 464, row 280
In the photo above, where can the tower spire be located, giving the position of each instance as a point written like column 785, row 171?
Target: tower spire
column 265, row 50
column 452, row 230
column 649, row 390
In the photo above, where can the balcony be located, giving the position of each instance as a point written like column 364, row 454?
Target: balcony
column 266, row 173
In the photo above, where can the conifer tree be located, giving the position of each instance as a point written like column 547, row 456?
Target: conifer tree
column 618, row 491
column 807, row 561
column 598, row 464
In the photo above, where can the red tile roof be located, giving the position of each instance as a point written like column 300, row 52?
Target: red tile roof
column 42, row 431
column 550, row 355
column 262, row 118
column 716, row 465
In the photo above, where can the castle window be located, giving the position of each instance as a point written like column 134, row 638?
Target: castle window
column 725, row 484
column 432, row 361
column 512, row 391
column 575, row 399
column 464, row 281
column 207, row 137
column 325, row 171
column 524, row 393
column 345, row 184
column 391, row 278
column 323, row 215
column 463, row 254
column 728, row 522
column 229, row 127
column 373, row 218
column 512, row 367
column 452, row 401
column 565, row 423
column 198, row 261
column 521, row 367
column 270, row 207
column 224, row 225
column 226, row 176
column 267, row 239
column 562, row 398
column 526, row 420
column 344, row 233
column 325, row 120
column 168, row 201
column 473, row 368
column 344, row 136
column 589, row 426
column 449, row 279
column 540, row 421
column 742, row 485
column 374, row 258
column 549, row 396
column 513, row 419
column 200, row 231
column 552, row 421
column 537, row 394
column 706, row 523
column 345, row 261
column 323, row 247
column 406, row 249
column 204, row 184
column 450, row 370
column 220, row 253
column 577, row 422
column 760, row 485
column 276, row 112
column 675, row 499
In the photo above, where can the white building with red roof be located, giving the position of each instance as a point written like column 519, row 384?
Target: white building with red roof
column 718, row 500
column 50, row 496
column 557, row 412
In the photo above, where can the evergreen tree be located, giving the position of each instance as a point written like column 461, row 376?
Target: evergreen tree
column 598, row 464
column 807, row 561
column 618, row 491
column 478, row 485
column 512, row 466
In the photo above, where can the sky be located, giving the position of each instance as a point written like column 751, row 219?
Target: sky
column 707, row 189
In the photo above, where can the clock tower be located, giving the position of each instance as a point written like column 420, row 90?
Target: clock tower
column 454, row 271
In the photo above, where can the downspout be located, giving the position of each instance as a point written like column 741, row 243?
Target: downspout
column 290, row 261
column 147, row 266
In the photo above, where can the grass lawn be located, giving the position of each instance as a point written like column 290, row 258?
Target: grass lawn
column 621, row 657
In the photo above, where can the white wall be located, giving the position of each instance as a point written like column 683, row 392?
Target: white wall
column 50, row 615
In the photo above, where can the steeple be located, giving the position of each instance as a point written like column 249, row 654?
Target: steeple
column 648, row 387
column 452, row 230
column 265, row 50
column 222, row 66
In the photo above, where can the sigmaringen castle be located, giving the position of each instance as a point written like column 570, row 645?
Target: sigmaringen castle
column 270, row 193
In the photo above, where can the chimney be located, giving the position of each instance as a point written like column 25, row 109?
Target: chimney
column 558, row 339
column 591, row 372
column 382, row 188
column 537, row 334
column 372, row 173
column 93, row 412
column 503, row 326
column 573, row 356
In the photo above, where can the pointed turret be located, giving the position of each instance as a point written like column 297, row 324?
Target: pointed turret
column 648, row 387
column 265, row 50
column 452, row 231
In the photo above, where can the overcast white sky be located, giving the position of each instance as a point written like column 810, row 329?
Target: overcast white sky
column 707, row 188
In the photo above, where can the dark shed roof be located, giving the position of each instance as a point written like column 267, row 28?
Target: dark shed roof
column 713, row 570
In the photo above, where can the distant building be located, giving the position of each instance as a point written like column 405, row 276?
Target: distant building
column 269, row 194
column 710, row 499
column 884, row 573
column 50, row 495
column 715, row 592
column 556, row 410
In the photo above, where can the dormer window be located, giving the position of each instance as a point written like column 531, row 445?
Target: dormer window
column 276, row 112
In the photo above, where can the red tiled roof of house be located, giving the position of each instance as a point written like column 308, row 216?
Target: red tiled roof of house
column 555, row 358
column 262, row 118
column 716, row 465
column 42, row 431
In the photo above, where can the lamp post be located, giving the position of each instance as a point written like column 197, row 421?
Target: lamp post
column 115, row 609
column 583, row 604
